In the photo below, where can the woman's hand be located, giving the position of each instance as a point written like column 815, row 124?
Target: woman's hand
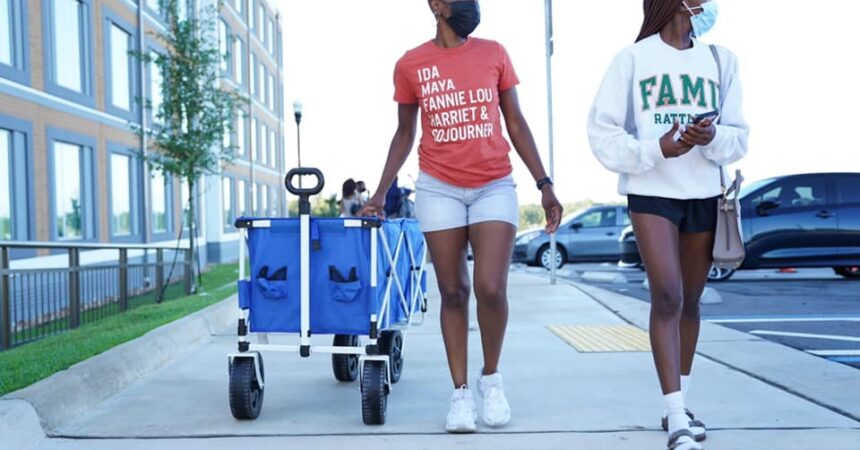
column 701, row 133
column 672, row 148
column 552, row 208
column 374, row 207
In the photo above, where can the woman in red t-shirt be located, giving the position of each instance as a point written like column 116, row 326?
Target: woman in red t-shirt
column 465, row 193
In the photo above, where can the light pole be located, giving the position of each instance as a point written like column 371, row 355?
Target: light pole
column 549, row 53
column 297, row 110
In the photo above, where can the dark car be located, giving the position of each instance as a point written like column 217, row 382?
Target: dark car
column 807, row 220
column 589, row 235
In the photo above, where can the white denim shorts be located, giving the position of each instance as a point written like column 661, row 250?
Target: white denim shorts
column 443, row 206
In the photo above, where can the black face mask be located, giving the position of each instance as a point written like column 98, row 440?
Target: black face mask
column 465, row 17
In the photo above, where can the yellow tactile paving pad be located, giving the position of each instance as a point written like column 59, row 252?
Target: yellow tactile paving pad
column 603, row 338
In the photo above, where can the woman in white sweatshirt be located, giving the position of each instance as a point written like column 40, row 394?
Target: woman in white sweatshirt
column 641, row 127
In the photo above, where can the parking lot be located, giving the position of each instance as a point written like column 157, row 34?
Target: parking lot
column 813, row 310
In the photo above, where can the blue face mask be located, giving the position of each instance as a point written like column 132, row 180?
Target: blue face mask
column 705, row 20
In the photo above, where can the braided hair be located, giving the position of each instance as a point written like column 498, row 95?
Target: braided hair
column 658, row 13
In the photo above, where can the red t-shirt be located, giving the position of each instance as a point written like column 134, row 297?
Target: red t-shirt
column 458, row 90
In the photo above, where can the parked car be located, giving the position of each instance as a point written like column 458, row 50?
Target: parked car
column 588, row 235
column 805, row 220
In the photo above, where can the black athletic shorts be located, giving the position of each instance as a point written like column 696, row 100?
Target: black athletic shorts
column 690, row 216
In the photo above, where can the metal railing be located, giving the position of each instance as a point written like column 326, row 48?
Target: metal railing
column 65, row 285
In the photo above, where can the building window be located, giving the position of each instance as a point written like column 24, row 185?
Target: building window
column 224, row 45
column 241, row 195
column 261, row 83
column 155, row 86
column 184, row 203
column 264, row 199
column 227, row 201
column 261, row 24
column 226, row 136
column 255, row 206
column 263, row 157
column 238, row 59
column 69, row 48
column 278, row 44
column 241, row 123
column 253, row 149
column 160, row 196
column 14, row 54
column 71, row 199
column 16, row 180
column 253, row 79
column 122, row 180
column 7, row 33
column 270, row 40
column 273, row 149
column 6, row 178
column 120, row 73
column 271, row 92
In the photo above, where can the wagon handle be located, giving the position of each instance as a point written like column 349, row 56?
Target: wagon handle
column 303, row 171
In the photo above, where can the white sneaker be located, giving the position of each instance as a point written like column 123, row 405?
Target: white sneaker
column 496, row 411
column 463, row 414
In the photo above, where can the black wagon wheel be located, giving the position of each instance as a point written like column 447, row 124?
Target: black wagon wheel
column 391, row 344
column 374, row 393
column 345, row 367
column 246, row 394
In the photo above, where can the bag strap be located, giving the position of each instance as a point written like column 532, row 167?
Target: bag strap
column 722, row 97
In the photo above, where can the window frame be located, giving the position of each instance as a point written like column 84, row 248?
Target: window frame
column 22, row 201
column 252, row 76
column 88, row 179
column 87, row 97
column 263, row 139
column 20, row 70
column 135, row 192
column 231, row 227
column 133, row 113
column 241, row 138
column 169, row 184
column 244, row 193
column 239, row 76
column 152, row 48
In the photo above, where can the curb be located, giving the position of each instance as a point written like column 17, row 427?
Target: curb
column 809, row 377
column 68, row 394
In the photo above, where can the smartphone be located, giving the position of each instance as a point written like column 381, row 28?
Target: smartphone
column 703, row 116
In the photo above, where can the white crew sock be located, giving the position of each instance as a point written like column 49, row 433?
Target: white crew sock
column 685, row 385
column 674, row 404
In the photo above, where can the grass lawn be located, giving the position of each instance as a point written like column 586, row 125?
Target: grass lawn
column 29, row 363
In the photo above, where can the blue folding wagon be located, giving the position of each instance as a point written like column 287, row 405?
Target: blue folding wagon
column 359, row 279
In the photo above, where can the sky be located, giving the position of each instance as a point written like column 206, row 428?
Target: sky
column 798, row 66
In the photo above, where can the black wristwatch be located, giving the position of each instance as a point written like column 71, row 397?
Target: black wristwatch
column 543, row 182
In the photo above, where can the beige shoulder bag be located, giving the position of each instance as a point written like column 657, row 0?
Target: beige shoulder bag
column 729, row 251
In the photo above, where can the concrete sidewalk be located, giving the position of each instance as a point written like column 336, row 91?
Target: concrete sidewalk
column 560, row 398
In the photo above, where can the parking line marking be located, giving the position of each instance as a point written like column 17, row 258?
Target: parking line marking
column 834, row 352
column 830, row 337
column 786, row 319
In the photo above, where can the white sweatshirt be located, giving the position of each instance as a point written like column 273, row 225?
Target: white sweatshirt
column 649, row 86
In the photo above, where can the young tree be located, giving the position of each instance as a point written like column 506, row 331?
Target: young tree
column 186, row 137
